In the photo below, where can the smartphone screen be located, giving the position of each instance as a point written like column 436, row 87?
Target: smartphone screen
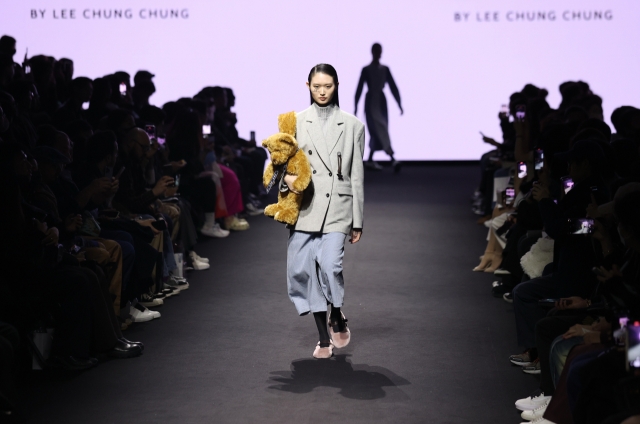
column 633, row 349
column 504, row 109
column 522, row 170
column 206, row 129
column 123, row 89
column 510, row 195
column 567, row 184
column 538, row 157
column 520, row 112
column 85, row 106
column 161, row 141
column 581, row 226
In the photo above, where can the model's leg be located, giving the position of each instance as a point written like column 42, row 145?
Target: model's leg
column 330, row 257
column 323, row 331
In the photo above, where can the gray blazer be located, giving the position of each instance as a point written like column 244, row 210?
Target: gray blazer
column 330, row 204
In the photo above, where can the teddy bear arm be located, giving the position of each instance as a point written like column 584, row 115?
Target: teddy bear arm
column 268, row 174
column 303, row 171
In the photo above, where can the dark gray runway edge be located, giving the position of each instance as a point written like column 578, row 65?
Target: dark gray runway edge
column 429, row 343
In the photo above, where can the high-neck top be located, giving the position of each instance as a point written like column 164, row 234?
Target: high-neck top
column 324, row 114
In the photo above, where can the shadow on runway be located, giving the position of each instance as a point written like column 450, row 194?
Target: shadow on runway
column 355, row 381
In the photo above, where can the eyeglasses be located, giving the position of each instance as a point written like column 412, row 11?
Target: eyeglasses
column 317, row 88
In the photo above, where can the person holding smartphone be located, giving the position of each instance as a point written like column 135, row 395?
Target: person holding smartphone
column 332, row 208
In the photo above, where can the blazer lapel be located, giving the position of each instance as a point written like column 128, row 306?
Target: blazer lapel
column 335, row 130
column 317, row 138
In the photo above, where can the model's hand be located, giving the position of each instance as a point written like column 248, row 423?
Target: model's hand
column 355, row 236
column 289, row 180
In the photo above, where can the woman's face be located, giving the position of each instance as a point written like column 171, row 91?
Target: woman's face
column 322, row 88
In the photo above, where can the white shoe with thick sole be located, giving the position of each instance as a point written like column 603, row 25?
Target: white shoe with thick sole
column 141, row 314
column 200, row 266
column 214, row 231
column 539, row 420
column 195, row 257
column 534, row 414
column 532, row 402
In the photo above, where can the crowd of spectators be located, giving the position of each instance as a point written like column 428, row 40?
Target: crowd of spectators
column 560, row 196
column 104, row 197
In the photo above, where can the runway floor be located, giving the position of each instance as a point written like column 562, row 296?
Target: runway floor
column 429, row 343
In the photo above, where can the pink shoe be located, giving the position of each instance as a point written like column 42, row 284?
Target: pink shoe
column 323, row 352
column 339, row 332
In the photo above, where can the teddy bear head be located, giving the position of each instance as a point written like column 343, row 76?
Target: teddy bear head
column 281, row 146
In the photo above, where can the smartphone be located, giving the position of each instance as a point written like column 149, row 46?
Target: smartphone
column 161, row 140
column 206, row 129
column 510, row 196
column 522, row 170
column 567, row 184
column 123, row 89
column 633, row 344
column 538, row 159
column 176, row 181
column 581, row 226
column 504, row 110
column 252, row 136
column 85, row 106
column 150, row 130
column 520, row 112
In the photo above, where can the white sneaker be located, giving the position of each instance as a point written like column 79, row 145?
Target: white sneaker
column 178, row 282
column 252, row 210
column 532, row 402
column 214, row 231
column 487, row 223
column 141, row 314
column 195, row 257
column 496, row 283
column 539, row 420
column 200, row 266
column 149, row 301
column 533, row 414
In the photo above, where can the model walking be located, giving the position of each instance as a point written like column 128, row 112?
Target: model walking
column 332, row 208
column 376, row 76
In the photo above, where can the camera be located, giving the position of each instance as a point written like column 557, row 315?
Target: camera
column 581, row 226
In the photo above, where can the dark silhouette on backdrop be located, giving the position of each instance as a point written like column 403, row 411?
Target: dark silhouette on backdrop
column 376, row 75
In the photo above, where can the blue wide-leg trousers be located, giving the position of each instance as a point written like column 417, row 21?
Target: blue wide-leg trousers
column 314, row 270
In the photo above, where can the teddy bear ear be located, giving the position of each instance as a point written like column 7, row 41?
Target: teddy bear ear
column 287, row 123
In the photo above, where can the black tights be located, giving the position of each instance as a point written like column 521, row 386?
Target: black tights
column 321, row 323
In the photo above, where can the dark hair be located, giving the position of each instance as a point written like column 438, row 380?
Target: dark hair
column 375, row 46
column 100, row 145
column 324, row 68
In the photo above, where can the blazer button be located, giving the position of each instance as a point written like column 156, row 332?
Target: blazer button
column 314, row 171
column 327, row 194
column 330, row 174
column 310, row 152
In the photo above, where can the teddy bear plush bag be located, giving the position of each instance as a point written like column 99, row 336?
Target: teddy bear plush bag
column 287, row 158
